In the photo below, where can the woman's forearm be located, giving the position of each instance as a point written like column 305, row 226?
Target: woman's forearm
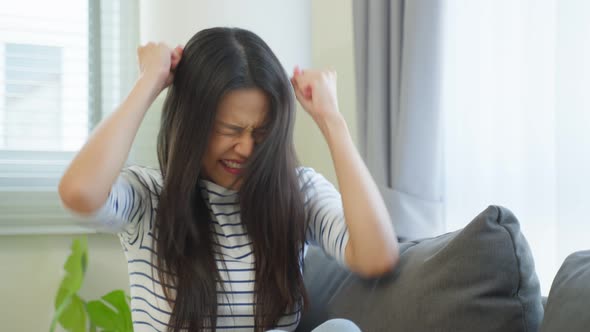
column 87, row 181
column 373, row 247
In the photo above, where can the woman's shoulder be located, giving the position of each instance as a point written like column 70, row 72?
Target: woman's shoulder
column 309, row 179
column 148, row 177
column 304, row 173
column 146, row 172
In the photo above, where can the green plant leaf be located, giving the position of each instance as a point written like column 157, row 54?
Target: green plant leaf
column 118, row 299
column 62, row 295
column 75, row 268
column 58, row 312
column 73, row 316
column 103, row 316
column 69, row 307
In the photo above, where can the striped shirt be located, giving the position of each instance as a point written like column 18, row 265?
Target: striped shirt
column 130, row 212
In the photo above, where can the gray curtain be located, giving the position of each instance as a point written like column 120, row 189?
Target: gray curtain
column 400, row 131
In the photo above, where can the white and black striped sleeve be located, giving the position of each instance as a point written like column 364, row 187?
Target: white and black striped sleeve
column 130, row 201
column 325, row 214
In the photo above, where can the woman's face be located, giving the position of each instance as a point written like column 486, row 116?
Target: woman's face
column 238, row 127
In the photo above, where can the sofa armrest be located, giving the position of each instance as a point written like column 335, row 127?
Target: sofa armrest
column 567, row 304
column 544, row 302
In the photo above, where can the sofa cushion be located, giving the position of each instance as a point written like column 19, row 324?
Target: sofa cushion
column 479, row 278
column 567, row 304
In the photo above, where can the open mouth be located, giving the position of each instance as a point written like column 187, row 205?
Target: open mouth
column 232, row 166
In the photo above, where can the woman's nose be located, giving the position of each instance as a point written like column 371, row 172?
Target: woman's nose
column 245, row 144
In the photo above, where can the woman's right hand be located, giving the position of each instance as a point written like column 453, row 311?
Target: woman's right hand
column 158, row 62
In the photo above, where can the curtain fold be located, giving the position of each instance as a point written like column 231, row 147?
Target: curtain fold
column 397, row 59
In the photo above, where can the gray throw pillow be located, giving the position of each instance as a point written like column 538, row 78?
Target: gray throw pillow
column 479, row 278
column 567, row 304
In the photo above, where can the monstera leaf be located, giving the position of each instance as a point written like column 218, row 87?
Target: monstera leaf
column 111, row 312
column 70, row 309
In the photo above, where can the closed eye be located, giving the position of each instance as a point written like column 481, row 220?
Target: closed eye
column 228, row 129
column 259, row 134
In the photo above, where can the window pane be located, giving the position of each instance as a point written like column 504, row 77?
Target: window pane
column 33, row 97
column 43, row 75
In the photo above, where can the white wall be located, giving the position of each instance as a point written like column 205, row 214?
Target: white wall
column 31, row 267
column 332, row 47
column 284, row 25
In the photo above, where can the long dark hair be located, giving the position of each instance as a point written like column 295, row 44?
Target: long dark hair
column 214, row 62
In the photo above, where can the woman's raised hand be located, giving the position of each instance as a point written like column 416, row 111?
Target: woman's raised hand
column 158, row 62
column 316, row 91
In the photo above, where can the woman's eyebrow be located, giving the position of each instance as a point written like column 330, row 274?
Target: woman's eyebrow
column 231, row 126
column 235, row 127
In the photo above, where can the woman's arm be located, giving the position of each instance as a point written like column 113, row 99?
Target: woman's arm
column 372, row 247
column 87, row 181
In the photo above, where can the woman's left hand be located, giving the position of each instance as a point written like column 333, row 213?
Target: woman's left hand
column 316, row 91
column 372, row 247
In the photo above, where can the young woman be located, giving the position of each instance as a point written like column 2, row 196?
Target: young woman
column 215, row 238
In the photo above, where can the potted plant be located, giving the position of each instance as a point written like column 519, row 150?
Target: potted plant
column 109, row 313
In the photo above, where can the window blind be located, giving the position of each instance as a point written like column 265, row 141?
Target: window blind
column 64, row 65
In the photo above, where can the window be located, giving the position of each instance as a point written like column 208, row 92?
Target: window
column 517, row 122
column 32, row 113
column 61, row 71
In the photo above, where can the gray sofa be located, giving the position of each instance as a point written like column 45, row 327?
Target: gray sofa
column 479, row 278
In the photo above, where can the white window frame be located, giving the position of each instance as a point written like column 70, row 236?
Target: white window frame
column 29, row 202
